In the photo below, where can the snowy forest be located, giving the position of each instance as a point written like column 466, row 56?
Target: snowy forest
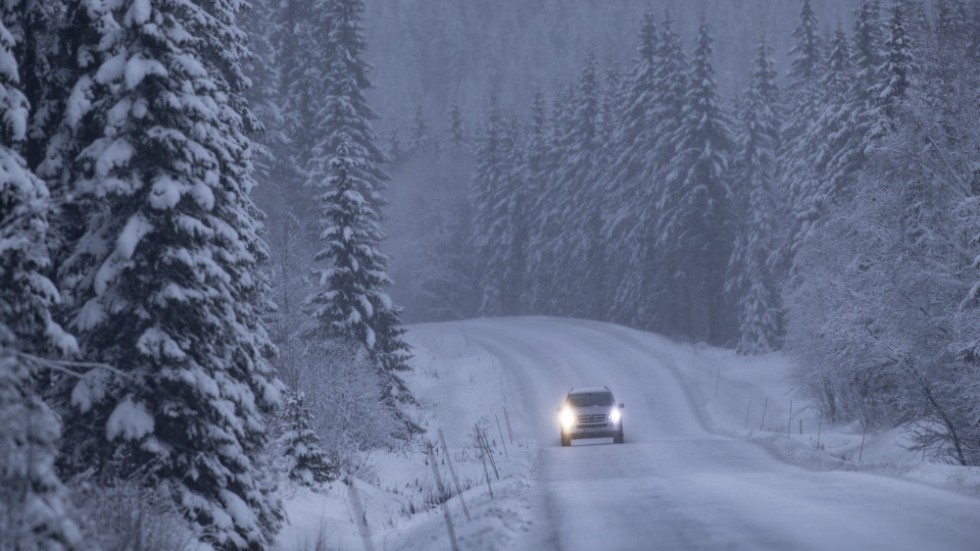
column 218, row 216
column 825, row 205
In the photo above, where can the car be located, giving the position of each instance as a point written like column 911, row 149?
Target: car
column 590, row 412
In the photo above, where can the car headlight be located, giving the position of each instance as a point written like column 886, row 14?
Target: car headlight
column 567, row 418
column 615, row 415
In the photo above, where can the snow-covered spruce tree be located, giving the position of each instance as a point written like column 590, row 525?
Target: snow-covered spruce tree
column 164, row 279
column 307, row 463
column 306, row 54
column 866, row 59
column 34, row 513
column 488, row 213
column 42, row 41
column 634, row 135
column 833, row 149
column 345, row 111
column 394, row 150
column 642, row 301
column 536, row 169
column 575, row 197
column 603, row 263
column 866, row 48
column 546, row 225
column 420, row 141
column 351, row 300
column 895, row 73
column 59, row 40
column 633, row 189
column 458, row 141
column 516, row 247
column 750, row 278
column 695, row 211
column 671, row 82
column 345, row 118
column 499, row 226
column 796, row 155
column 807, row 53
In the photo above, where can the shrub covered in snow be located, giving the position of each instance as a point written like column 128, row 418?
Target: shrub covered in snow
column 345, row 395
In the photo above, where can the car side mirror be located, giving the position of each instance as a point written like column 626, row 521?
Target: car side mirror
column 621, row 406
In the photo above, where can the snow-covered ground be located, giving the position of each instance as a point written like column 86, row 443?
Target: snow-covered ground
column 702, row 466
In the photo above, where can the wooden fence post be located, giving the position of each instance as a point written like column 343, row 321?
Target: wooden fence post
column 452, row 471
column 445, row 506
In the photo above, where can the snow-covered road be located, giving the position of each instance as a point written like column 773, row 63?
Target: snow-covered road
column 674, row 484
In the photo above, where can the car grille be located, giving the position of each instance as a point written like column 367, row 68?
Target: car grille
column 594, row 418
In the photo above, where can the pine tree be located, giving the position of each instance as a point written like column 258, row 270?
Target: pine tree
column 546, row 226
column 37, row 517
column 43, row 42
column 635, row 164
column 516, row 245
column 866, row 48
column 634, row 136
column 807, row 52
column 59, row 40
column 420, row 132
column 834, row 141
column 306, row 53
column 494, row 225
column 796, row 156
column 843, row 143
column 345, row 110
column 351, row 303
column 307, row 464
column 642, row 300
column 536, row 169
column 575, row 197
column 750, row 277
column 164, row 279
column 395, row 151
column 345, row 120
column 866, row 60
column 695, row 204
column 807, row 68
column 895, row 72
column 457, row 131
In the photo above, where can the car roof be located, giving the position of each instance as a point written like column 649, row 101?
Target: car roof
column 589, row 390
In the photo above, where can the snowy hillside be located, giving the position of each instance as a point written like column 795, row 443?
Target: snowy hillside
column 690, row 475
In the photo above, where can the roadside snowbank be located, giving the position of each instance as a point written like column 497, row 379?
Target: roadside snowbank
column 460, row 388
column 752, row 397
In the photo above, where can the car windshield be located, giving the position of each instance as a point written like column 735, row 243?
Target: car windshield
column 587, row 399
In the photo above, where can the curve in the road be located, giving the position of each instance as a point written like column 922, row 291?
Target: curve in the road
column 677, row 485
